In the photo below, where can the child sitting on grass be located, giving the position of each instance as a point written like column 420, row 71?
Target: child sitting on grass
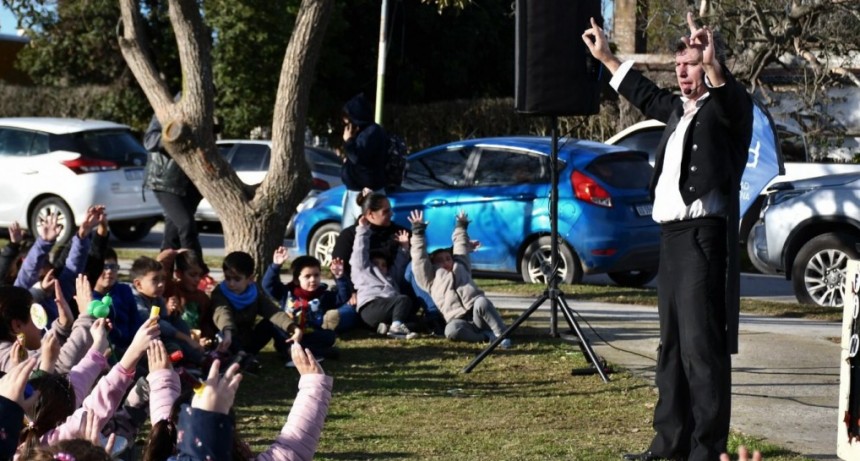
column 379, row 299
column 447, row 275
column 306, row 300
column 183, row 296
column 236, row 304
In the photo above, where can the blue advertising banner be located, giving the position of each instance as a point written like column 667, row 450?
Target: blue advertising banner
column 765, row 158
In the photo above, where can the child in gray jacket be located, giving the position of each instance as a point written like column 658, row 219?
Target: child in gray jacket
column 380, row 302
column 447, row 275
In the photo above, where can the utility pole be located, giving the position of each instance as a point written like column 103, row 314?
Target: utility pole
column 380, row 65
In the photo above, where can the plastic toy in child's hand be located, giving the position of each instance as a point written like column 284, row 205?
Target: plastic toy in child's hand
column 39, row 316
column 100, row 309
column 22, row 350
column 155, row 312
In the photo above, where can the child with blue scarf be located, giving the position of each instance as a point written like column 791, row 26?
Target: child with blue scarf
column 237, row 302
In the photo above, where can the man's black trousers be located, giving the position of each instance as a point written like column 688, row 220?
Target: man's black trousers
column 693, row 366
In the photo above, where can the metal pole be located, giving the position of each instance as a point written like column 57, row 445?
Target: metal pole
column 380, row 64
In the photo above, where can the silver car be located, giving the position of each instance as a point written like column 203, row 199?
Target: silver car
column 808, row 230
column 250, row 159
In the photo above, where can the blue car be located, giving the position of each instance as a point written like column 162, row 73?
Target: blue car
column 503, row 184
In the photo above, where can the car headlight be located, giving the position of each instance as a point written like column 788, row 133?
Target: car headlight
column 308, row 202
column 783, row 195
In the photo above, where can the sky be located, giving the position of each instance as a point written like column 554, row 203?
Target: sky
column 8, row 24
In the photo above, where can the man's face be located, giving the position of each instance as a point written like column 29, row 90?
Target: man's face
column 236, row 282
column 690, row 73
column 309, row 278
column 150, row 285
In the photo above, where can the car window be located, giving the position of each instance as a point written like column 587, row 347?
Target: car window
column 500, row 167
column 224, row 149
column 624, row 170
column 323, row 161
column 792, row 146
column 250, row 157
column 15, row 142
column 437, row 170
column 40, row 144
column 119, row 146
column 645, row 141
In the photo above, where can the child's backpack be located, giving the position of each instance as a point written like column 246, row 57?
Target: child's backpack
column 395, row 165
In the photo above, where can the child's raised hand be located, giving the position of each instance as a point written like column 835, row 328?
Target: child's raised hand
column 157, row 356
column 13, row 383
column 280, row 256
column 15, row 232
column 50, row 352
column 83, row 292
column 49, row 227
column 305, row 361
column 462, row 217
column 218, row 392
column 65, row 317
column 17, row 354
column 402, row 238
column 140, row 343
column 416, row 217
column 743, row 455
column 91, row 220
column 99, row 332
column 173, row 306
column 474, row 245
column 48, row 280
column 336, row 267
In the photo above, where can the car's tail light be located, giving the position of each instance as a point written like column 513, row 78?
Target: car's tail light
column 319, row 184
column 586, row 189
column 83, row 165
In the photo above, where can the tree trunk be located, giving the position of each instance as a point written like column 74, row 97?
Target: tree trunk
column 253, row 218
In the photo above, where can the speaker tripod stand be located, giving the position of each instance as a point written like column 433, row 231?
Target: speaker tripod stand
column 552, row 292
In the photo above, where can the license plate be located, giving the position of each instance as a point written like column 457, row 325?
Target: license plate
column 134, row 174
column 644, row 209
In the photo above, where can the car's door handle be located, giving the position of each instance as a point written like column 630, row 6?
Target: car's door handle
column 525, row 197
column 438, row 202
column 29, row 172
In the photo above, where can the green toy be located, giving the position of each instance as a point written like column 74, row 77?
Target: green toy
column 100, row 309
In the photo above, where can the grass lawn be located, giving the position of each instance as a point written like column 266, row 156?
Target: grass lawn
column 410, row 400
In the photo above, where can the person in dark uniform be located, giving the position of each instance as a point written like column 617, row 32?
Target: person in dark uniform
column 695, row 186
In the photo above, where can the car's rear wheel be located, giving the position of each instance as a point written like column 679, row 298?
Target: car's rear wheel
column 536, row 263
column 131, row 231
column 818, row 272
column 55, row 206
column 322, row 242
column 635, row 278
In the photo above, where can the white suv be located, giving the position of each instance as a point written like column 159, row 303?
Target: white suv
column 64, row 166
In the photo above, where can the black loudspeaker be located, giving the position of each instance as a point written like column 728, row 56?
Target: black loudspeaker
column 555, row 72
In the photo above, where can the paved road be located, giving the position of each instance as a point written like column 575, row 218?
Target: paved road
column 774, row 288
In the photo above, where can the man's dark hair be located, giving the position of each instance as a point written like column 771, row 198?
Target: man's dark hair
column 142, row 266
column 240, row 262
column 300, row 263
column 720, row 48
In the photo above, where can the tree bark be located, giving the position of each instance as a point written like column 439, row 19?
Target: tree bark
column 253, row 218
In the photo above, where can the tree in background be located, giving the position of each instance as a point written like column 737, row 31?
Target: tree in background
column 253, row 217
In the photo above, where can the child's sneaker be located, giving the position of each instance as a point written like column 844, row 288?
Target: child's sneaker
column 331, row 319
column 506, row 343
column 382, row 328
column 401, row 331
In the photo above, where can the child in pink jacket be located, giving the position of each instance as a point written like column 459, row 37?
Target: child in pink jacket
column 56, row 400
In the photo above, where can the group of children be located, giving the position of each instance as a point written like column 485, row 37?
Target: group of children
column 109, row 355
column 86, row 359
